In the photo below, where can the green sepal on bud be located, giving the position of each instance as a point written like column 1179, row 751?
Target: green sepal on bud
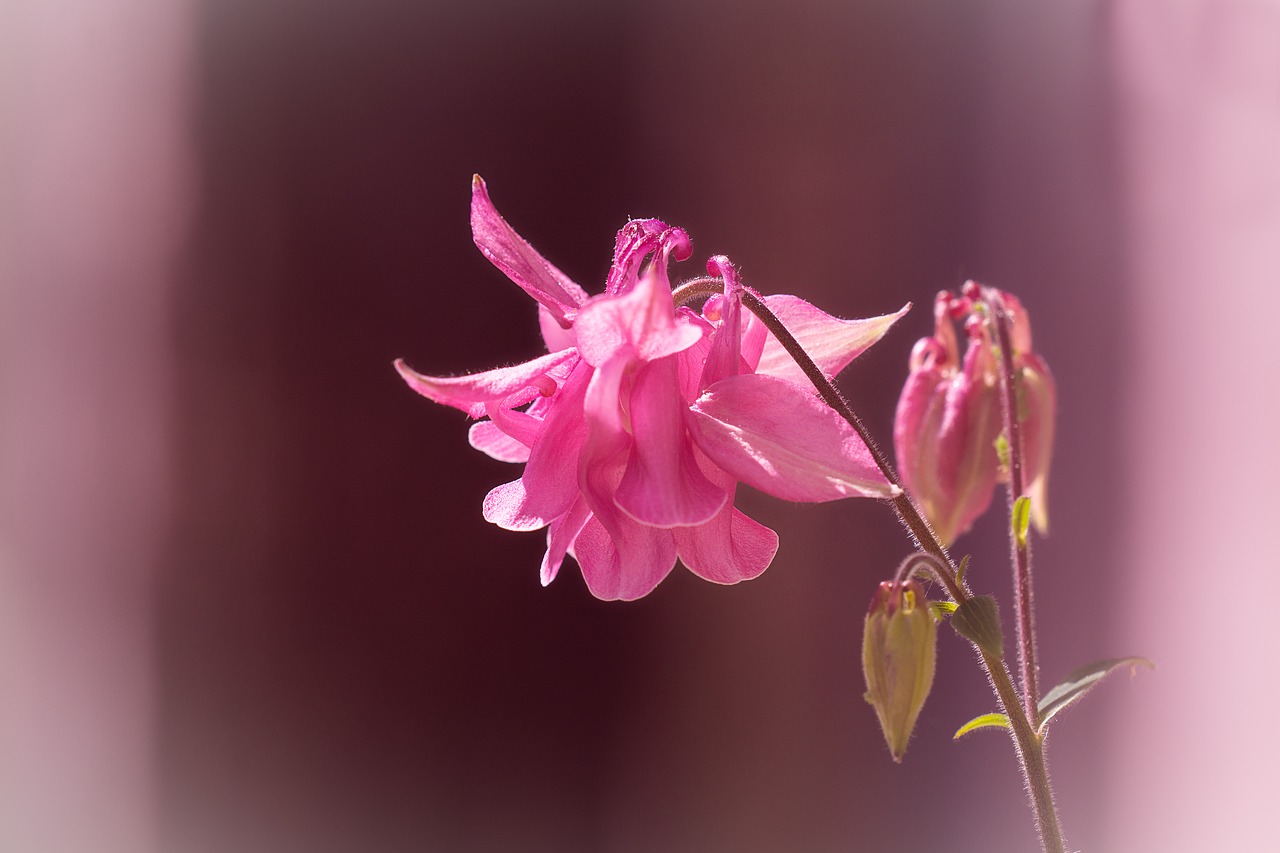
column 899, row 652
column 978, row 621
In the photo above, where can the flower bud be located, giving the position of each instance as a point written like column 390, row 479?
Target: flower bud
column 946, row 427
column 949, row 416
column 898, row 656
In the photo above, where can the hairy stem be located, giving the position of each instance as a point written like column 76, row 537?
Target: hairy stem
column 1019, row 546
column 1028, row 745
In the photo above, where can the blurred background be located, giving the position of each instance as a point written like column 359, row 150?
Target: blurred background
column 247, row 600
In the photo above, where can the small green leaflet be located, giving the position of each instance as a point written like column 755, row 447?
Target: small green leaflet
column 1021, row 516
column 1081, row 682
column 986, row 721
column 941, row 609
column 1002, row 450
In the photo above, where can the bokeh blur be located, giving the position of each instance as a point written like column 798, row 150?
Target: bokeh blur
column 247, row 600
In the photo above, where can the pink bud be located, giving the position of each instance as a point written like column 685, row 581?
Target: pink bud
column 1038, row 410
column 949, row 417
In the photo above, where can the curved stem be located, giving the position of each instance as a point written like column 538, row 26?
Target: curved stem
column 1027, row 743
column 911, row 565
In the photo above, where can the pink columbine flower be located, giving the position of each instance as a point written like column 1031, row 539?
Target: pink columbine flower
column 949, row 417
column 637, row 425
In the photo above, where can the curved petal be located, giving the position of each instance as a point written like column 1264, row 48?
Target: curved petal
column 555, row 337
column 522, row 426
column 641, row 321
column 915, row 424
column 831, row 342
column 469, row 393
column 620, row 558
column 560, row 537
column 509, row 252
column 662, row 485
column 729, row 548
column 693, row 359
column 754, row 337
column 508, row 507
column 488, row 439
column 551, row 475
column 1037, row 435
column 725, row 358
column 626, row 563
column 780, row 438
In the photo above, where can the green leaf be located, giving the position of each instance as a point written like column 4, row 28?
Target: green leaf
column 1002, row 450
column 1080, row 682
column 941, row 609
column 1021, row 518
column 978, row 620
column 964, row 567
column 986, row 721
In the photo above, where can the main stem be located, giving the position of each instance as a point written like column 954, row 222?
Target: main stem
column 1027, row 743
column 1019, row 545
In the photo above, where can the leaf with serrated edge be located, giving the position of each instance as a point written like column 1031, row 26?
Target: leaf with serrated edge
column 1080, row 682
column 986, row 721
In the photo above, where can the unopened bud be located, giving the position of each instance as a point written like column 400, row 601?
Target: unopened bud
column 898, row 656
column 947, row 432
column 946, row 426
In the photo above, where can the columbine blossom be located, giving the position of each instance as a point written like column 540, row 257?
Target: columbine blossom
column 949, row 417
column 638, row 424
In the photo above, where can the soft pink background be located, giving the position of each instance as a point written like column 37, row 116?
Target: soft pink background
column 247, row 602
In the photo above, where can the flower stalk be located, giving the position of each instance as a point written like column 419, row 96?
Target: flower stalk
column 1019, row 545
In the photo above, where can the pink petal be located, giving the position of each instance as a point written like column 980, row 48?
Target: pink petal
column 663, row 485
column 509, row 252
column 830, row 341
column 754, row 336
column 507, row 507
column 915, row 425
column 620, row 558
column 780, row 438
column 626, row 563
column 560, row 536
column 693, row 359
column 524, row 427
column 555, row 337
column 641, row 321
column 487, row 438
column 730, row 547
column 965, row 463
column 602, row 406
column 1040, row 396
column 551, row 475
column 470, row 393
column 725, row 358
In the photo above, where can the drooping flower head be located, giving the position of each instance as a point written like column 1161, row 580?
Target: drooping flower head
column 637, row 425
column 949, row 417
